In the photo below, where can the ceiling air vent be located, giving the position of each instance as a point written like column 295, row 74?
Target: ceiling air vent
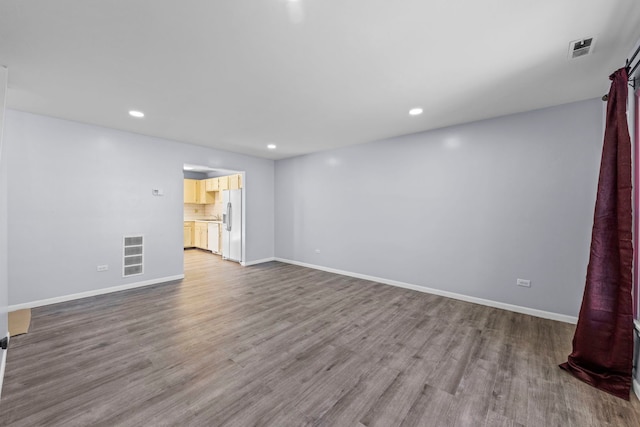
column 582, row 47
column 133, row 256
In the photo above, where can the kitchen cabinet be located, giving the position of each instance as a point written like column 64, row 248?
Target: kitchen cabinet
column 204, row 192
column 230, row 182
column 223, row 183
column 211, row 184
column 195, row 191
column 204, row 197
column 201, row 235
column 190, row 191
column 188, row 234
column 235, row 182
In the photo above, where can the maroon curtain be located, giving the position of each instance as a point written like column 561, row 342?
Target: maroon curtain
column 603, row 341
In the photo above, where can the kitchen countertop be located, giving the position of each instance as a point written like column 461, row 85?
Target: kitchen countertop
column 204, row 220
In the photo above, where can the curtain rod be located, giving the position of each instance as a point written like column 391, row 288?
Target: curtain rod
column 630, row 71
column 630, row 61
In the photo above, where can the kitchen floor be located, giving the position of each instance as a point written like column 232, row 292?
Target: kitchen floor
column 282, row 345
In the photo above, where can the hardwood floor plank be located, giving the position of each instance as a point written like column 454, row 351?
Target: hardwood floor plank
column 510, row 388
column 352, row 405
column 395, row 402
column 497, row 420
column 432, row 407
column 450, row 369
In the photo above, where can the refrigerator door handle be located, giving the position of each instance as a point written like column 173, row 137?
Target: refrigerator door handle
column 229, row 216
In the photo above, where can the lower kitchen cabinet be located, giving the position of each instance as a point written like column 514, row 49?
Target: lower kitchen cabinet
column 188, row 234
column 201, row 235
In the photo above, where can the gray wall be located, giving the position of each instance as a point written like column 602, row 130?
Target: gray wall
column 465, row 209
column 75, row 190
column 4, row 277
column 194, row 175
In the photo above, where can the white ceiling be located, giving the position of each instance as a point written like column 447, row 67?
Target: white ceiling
column 306, row 75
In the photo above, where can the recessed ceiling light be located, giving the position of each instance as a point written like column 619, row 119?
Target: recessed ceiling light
column 138, row 114
column 188, row 168
column 415, row 111
column 271, row 146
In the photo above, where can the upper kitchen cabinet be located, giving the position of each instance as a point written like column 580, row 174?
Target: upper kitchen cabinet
column 191, row 191
column 196, row 192
column 223, row 183
column 205, row 198
column 235, row 182
column 211, row 184
column 203, row 192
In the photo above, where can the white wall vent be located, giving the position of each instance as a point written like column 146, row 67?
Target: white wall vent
column 582, row 47
column 133, row 256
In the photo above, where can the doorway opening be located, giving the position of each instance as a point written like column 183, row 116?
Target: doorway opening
column 214, row 212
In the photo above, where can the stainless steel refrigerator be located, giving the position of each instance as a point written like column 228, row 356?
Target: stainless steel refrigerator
column 232, row 225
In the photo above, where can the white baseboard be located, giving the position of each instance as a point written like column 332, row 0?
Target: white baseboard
column 102, row 291
column 258, row 261
column 510, row 307
column 3, row 364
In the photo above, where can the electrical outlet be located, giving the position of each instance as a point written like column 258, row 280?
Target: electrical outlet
column 524, row 282
column 103, row 267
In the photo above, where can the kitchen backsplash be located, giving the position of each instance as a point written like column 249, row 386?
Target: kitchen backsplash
column 193, row 211
column 214, row 210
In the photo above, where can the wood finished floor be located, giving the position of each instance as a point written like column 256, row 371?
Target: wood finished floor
column 281, row 345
